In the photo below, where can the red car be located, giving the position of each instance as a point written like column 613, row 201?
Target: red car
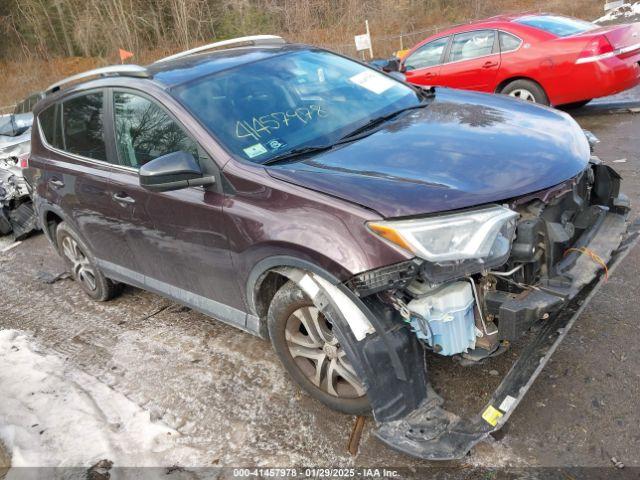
column 542, row 58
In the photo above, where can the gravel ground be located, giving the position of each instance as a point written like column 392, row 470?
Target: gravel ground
column 227, row 395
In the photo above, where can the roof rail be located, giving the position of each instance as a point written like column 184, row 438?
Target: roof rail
column 113, row 70
column 253, row 40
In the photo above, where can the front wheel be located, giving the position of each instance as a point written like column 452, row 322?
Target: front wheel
column 305, row 342
column 526, row 90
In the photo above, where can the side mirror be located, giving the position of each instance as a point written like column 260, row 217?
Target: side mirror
column 393, row 65
column 172, row 171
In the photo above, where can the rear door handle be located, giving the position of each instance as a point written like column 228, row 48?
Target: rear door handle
column 490, row 64
column 123, row 198
column 55, row 183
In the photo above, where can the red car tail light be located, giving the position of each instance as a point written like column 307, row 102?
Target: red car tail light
column 23, row 160
column 598, row 49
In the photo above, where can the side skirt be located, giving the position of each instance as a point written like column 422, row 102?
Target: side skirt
column 219, row 311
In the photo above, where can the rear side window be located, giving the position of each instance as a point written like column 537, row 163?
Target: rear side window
column 144, row 131
column 509, row 42
column 556, row 25
column 83, row 126
column 49, row 120
column 428, row 55
column 469, row 45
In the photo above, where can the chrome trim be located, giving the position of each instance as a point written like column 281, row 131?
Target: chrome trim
column 126, row 70
column 75, row 156
column 254, row 40
column 628, row 49
column 595, row 58
column 604, row 56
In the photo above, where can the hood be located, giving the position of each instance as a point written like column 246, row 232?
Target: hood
column 464, row 149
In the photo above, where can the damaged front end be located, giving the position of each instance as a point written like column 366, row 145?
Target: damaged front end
column 481, row 280
column 17, row 215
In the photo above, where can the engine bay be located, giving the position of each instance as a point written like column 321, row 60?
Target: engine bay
column 556, row 242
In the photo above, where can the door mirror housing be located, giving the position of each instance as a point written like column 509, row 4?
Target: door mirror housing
column 173, row 171
column 393, row 65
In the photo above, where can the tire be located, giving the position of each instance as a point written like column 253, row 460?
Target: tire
column 82, row 265
column 574, row 105
column 290, row 312
column 526, row 90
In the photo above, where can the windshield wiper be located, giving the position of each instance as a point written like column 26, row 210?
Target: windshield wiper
column 371, row 124
column 296, row 152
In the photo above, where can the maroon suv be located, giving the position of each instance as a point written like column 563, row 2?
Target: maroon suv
column 364, row 225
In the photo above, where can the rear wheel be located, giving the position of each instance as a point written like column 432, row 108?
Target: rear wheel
column 82, row 265
column 527, row 90
column 305, row 342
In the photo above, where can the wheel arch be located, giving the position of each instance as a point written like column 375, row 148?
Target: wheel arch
column 50, row 218
column 267, row 277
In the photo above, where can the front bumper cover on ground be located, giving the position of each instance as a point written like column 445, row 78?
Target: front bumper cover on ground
column 432, row 433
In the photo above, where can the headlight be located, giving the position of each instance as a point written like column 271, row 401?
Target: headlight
column 456, row 244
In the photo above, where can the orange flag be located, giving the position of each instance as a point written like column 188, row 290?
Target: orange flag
column 124, row 54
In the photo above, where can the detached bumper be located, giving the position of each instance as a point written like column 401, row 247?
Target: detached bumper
column 432, row 433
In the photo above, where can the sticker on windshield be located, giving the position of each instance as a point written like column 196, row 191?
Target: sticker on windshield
column 275, row 144
column 373, row 81
column 255, row 150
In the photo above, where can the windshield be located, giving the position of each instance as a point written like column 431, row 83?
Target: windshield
column 560, row 26
column 298, row 99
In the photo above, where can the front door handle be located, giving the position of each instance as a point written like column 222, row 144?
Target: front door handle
column 55, row 183
column 123, row 198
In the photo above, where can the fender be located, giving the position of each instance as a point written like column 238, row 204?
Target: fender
column 259, row 271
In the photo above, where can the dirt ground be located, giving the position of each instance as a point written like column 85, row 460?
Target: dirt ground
column 226, row 393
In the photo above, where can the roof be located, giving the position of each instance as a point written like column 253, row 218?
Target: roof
column 181, row 70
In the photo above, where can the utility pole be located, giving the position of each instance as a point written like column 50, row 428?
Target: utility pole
column 366, row 22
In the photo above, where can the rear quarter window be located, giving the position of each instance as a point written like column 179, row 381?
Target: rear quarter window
column 50, row 126
column 509, row 42
column 83, row 126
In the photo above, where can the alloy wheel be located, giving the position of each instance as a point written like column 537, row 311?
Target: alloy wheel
column 318, row 354
column 81, row 266
column 523, row 94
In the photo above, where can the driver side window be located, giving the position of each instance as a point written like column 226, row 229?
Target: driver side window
column 428, row 55
column 144, row 131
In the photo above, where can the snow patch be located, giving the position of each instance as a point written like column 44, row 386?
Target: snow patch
column 624, row 11
column 54, row 415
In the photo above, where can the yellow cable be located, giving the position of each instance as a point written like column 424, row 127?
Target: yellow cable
column 593, row 255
